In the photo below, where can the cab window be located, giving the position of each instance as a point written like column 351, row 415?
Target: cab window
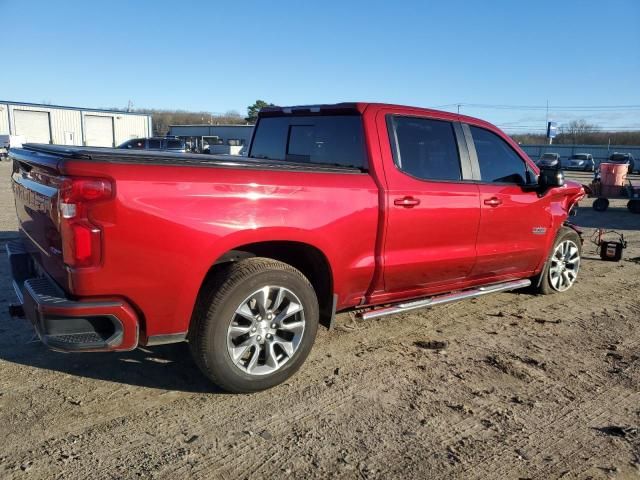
column 134, row 144
column 499, row 163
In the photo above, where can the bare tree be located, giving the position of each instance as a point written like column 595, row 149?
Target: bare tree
column 578, row 131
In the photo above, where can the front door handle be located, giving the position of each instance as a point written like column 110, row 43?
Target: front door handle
column 407, row 202
column 493, row 202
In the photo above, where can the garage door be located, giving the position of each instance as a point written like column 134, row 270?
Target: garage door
column 99, row 131
column 33, row 125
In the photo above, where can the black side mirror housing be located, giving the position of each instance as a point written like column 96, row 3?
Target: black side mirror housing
column 550, row 178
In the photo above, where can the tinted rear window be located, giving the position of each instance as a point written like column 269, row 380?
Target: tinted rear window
column 174, row 144
column 136, row 143
column 331, row 140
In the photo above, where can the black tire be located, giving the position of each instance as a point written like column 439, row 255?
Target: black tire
column 600, row 204
column 221, row 295
column 634, row 206
column 541, row 283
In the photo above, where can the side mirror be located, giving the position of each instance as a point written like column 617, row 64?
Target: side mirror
column 550, row 177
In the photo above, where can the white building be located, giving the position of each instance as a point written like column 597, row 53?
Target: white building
column 71, row 125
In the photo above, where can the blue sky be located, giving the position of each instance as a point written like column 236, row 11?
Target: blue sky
column 223, row 55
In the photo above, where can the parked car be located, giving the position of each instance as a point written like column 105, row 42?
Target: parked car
column 581, row 161
column 172, row 144
column 625, row 158
column 549, row 160
column 10, row 141
column 376, row 208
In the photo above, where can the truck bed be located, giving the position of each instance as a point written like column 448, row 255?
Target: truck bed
column 165, row 225
column 116, row 155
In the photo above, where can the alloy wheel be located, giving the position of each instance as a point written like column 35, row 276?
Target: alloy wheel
column 565, row 263
column 266, row 330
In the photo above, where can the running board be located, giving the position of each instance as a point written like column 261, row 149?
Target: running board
column 442, row 299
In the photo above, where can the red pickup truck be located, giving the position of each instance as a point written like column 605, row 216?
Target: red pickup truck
column 355, row 206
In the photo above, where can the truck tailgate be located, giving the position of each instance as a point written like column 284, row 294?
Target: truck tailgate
column 35, row 181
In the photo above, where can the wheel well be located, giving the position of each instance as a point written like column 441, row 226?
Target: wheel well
column 308, row 259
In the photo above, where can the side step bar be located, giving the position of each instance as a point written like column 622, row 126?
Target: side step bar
column 446, row 298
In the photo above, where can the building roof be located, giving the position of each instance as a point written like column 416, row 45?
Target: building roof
column 45, row 105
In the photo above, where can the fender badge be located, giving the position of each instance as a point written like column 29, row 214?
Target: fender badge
column 539, row 230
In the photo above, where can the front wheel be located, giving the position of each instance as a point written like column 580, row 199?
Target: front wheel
column 561, row 270
column 634, row 206
column 600, row 204
column 255, row 325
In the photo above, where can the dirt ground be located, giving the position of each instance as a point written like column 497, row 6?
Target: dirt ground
column 524, row 387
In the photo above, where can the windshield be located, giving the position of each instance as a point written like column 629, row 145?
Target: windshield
column 326, row 139
column 550, row 156
column 578, row 157
column 619, row 157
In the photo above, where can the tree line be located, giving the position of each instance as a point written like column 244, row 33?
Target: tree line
column 581, row 132
column 163, row 119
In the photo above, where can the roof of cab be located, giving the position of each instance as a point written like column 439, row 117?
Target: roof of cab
column 360, row 107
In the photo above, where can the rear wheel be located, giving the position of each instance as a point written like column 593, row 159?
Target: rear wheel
column 255, row 325
column 561, row 270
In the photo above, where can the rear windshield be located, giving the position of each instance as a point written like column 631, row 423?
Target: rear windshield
column 329, row 140
column 579, row 157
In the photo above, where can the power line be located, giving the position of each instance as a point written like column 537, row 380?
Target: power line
column 595, row 127
column 582, row 108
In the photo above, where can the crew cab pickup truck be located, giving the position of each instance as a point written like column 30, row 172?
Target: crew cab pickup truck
column 368, row 207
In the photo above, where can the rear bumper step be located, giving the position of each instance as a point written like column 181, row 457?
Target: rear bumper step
column 66, row 324
column 446, row 298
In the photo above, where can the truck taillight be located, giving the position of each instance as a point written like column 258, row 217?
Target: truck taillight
column 81, row 239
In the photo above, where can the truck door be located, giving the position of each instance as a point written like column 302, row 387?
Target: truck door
column 514, row 221
column 433, row 209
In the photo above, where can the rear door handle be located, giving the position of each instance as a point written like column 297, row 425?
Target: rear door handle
column 407, row 202
column 493, row 202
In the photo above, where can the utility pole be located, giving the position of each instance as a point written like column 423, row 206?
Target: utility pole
column 546, row 119
column 547, row 122
column 129, row 106
column 459, row 105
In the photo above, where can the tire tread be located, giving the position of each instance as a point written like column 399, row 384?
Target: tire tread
column 215, row 291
